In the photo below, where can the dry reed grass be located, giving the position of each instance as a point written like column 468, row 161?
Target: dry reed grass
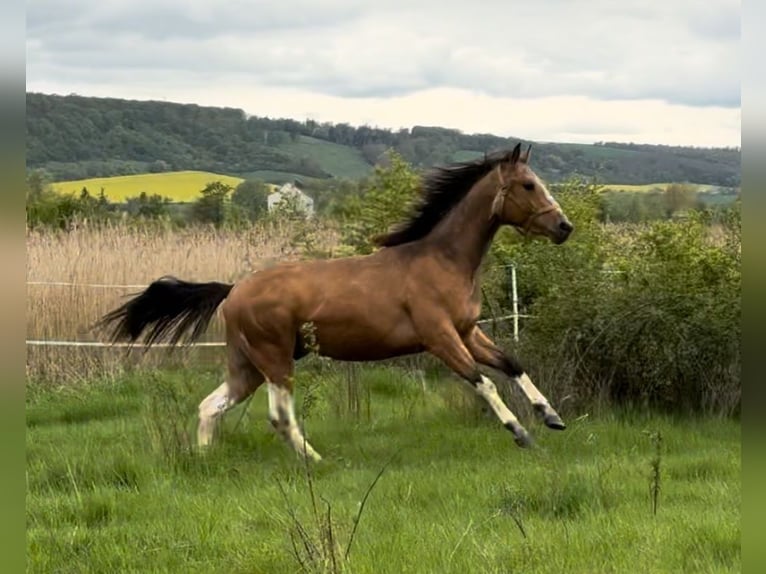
column 128, row 255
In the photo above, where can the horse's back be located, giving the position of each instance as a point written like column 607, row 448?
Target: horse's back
column 357, row 306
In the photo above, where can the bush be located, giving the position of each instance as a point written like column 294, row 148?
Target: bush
column 636, row 315
column 148, row 206
column 250, row 200
column 46, row 208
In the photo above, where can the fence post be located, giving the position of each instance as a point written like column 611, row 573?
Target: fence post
column 515, row 302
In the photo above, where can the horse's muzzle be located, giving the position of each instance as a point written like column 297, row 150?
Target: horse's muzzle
column 563, row 231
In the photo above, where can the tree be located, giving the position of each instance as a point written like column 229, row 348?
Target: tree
column 159, row 166
column 150, row 206
column 250, row 199
column 679, row 197
column 372, row 151
column 46, row 207
column 384, row 204
column 37, row 183
column 42, row 203
column 211, row 207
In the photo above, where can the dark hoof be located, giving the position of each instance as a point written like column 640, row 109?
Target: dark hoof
column 553, row 421
column 520, row 436
column 523, row 440
column 550, row 417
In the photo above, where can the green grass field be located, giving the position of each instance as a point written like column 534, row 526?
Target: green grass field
column 112, row 487
column 652, row 187
column 179, row 186
column 338, row 160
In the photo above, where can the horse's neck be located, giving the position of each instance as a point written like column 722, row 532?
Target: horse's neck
column 466, row 232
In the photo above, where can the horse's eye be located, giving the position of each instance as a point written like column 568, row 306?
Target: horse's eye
column 529, row 186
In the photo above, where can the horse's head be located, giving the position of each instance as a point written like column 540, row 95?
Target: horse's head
column 523, row 201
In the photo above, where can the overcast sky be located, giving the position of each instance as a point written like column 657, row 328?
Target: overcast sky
column 654, row 71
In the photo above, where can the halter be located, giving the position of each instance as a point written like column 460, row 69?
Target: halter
column 503, row 194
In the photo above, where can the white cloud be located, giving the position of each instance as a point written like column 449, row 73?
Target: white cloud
column 647, row 69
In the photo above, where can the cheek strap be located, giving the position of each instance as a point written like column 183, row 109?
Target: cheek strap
column 503, row 193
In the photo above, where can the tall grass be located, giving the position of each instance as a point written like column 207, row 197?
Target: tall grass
column 118, row 255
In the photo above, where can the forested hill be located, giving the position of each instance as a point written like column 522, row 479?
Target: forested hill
column 74, row 137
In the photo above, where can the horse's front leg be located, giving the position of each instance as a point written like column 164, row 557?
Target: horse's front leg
column 444, row 342
column 487, row 353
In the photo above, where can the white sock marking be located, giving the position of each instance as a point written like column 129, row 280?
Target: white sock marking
column 282, row 415
column 487, row 389
column 210, row 410
column 531, row 391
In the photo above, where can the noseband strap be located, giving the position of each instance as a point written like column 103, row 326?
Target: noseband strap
column 503, row 193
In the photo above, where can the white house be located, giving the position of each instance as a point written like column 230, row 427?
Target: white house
column 290, row 192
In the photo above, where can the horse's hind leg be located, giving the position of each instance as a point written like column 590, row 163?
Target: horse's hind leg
column 276, row 363
column 282, row 417
column 242, row 380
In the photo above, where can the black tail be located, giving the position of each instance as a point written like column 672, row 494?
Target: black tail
column 168, row 306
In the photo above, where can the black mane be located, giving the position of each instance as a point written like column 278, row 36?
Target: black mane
column 442, row 190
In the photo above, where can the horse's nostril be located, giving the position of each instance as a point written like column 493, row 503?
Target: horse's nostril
column 566, row 227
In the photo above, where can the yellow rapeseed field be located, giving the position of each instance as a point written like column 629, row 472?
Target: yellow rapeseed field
column 179, row 186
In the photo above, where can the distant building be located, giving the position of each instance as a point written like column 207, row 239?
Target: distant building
column 290, row 192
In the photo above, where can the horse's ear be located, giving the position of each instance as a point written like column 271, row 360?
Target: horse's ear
column 527, row 155
column 516, row 153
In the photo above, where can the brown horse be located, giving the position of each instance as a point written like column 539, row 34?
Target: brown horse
column 420, row 292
